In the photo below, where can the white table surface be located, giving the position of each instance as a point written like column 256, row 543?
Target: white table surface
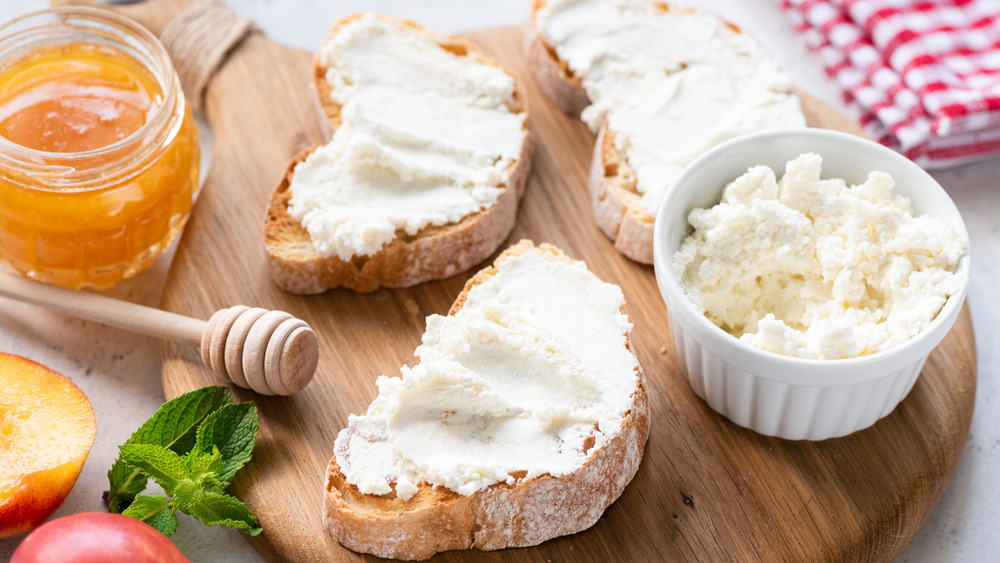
column 120, row 372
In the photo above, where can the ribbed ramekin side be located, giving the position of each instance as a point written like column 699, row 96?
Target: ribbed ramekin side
column 850, row 408
column 905, row 379
column 689, row 363
column 792, row 412
column 706, row 372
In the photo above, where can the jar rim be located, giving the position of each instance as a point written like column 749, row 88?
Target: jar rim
column 92, row 23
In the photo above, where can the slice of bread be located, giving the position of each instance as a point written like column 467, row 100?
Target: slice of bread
column 615, row 199
column 435, row 252
column 520, row 512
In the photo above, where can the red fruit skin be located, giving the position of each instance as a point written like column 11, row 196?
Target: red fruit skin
column 96, row 537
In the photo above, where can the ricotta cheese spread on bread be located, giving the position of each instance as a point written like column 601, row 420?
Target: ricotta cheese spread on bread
column 671, row 83
column 426, row 138
column 815, row 268
column 530, row 377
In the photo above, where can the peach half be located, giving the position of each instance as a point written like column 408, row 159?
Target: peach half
column 47, row 428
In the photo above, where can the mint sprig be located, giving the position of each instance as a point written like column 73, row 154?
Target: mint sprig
column 192, row 447
column 174, row 426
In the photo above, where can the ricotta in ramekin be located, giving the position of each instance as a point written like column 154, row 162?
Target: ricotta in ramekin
column 814, row 268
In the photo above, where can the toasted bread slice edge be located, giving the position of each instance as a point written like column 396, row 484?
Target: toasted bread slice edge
column 553, row 75
column 617, row 206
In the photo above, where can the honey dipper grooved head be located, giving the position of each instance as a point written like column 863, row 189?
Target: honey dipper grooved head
column 270, row 352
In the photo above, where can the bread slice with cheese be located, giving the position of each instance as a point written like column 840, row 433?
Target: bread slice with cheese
column 659, row 85
column 422, row 178
column 525, row 418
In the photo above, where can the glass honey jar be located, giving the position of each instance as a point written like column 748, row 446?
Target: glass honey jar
column 98, row 149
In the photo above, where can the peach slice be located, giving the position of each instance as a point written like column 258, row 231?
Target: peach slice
column 47, row 428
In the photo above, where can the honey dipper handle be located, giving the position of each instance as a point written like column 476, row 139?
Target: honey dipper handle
column 105, row 310
column 270, row 352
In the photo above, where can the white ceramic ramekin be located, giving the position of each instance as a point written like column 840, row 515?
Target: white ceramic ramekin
column 783, row 396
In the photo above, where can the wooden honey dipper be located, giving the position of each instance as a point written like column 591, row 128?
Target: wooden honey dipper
column 270, row 352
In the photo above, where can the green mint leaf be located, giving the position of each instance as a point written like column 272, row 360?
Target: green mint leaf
column 162, row 465
column 153, row 510
column 232, row 430
column 187, row 494
column 205, row 469
column 126, row 482
column 221, row 509
column 173, row 426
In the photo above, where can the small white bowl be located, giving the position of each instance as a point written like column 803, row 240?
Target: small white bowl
column 773, row 394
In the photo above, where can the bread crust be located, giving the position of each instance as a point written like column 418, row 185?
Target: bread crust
column 435, row 252
column 553, row 75
column 617, row 205
column 523, row 514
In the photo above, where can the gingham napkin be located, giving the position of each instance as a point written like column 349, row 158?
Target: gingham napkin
column 923, row 76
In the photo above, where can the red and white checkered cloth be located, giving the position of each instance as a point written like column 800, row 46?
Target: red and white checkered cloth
column 922, row 75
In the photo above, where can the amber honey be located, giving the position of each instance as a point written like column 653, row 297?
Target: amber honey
column 98, row 150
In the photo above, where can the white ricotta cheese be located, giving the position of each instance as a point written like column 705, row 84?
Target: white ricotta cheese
column 671, row 83
column 533, row 365
column 427, row 139
column 816, row 268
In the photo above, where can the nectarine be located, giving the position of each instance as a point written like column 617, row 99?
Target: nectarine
column 47, row 428
column 96, row 537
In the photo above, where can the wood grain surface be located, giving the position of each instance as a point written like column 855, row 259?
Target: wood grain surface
column 706, row 490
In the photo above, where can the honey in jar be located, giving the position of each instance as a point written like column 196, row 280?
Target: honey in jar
column 98, row 149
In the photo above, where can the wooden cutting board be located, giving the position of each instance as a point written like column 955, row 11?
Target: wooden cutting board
column 706, row 490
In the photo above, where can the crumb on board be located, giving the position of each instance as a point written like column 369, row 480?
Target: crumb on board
column 412, row 307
